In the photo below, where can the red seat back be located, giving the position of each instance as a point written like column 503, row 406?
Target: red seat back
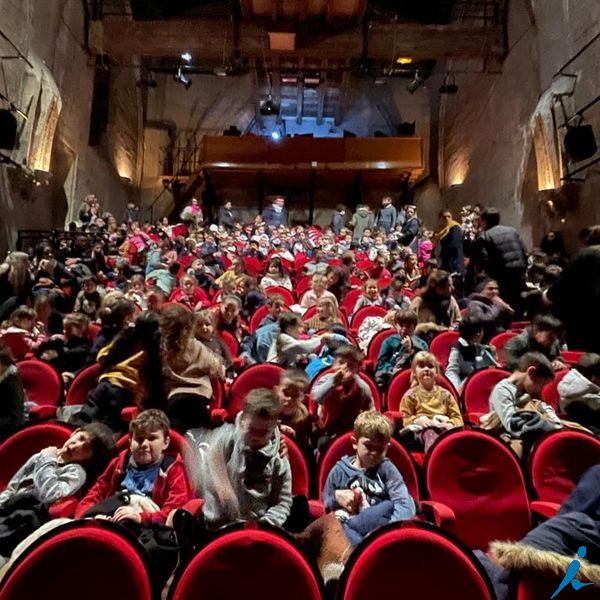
column 299, row 468
column 376, row 343
column 550, row 393
column 93, row 331
column 571, row 357
column 350, row 300
column 17, row 344
column 253, row 266
column 277, row 290
column 558, row 461
column 477, row 389
column 442, row 344
column 520, row 325
column 101, row 561
column 367, row 311
column 257, row 376
column 342, row 446
column 480, row 479
column 400, row 384
column 248, row 560
column 83, row 384
column 17, row 449
column 499, row 341
column 230, row 341
column 396, row 562
column 259, row 314
column 41, row 382
column 302, row 286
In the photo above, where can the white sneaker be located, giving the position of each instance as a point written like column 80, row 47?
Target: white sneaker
column 342, row 515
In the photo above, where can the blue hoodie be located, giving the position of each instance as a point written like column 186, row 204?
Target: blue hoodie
column 378, row 484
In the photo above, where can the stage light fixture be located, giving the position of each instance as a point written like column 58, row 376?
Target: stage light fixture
column 186, row 82
column 415, row 84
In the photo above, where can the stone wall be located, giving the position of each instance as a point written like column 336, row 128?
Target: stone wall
column 488, row 129
column 51, row 34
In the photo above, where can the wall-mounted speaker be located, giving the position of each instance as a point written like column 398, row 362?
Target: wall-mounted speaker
column 580, row 143
column 8, row 130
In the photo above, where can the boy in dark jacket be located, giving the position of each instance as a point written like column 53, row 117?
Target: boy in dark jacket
column 398, row 350
column 366, row 490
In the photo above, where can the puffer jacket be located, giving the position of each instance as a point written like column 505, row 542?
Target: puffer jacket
column 500, row 249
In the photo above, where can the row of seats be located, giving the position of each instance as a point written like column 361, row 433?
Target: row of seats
column 472, row 483
column 407, row 560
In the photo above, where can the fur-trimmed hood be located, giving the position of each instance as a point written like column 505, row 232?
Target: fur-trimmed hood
column 520, row 557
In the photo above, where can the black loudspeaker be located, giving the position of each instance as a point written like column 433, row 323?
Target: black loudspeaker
column 580, row 143
column 8, row 130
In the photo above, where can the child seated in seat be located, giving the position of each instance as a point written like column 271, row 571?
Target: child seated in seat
column 514, row 408
column 579, row 392
column 22, row 324
column 369, row 297
column 48, row 476
column 241, row 473
column 469, row 355
column 68, row 352
column 206, row 333
column 295, row 419
column 89, row 299
column 341, row 395
column 397, row 351
column 427, row 408
column 144, row 483
column 275, row 306
column 12, row 407
column 366, row 490
column 318, row 289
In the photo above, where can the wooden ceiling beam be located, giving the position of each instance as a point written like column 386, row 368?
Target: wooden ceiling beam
column 209, row 39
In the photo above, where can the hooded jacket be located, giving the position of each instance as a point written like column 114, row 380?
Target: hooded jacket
column 238, row 483
column 574, row 387
column 381, row 483
column 361, row 220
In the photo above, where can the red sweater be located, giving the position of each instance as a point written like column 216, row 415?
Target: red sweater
column 171, row 489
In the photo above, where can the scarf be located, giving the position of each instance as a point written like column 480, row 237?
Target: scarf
column 440, row 234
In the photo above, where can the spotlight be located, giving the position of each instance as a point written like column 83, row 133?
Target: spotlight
column 448, row 85
column 415, row 84
column 187, row 57
column 404, row 60
column 275, row 135
column 268, row 107
column 186, row 82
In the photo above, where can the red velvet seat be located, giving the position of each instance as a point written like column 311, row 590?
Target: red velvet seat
column 277, row 290
column 16, row 449
column 571, row 357
column 254, row 267
column 520, row 325
column 374, row 348
column 364, row 312
column 43, row 386
column 342, row 446
column 350, row 300
column 231, row 342
column 557, row 462
column 264, row 375
column 259, row 314
column 17, row 345
column 83, row 384
column 477, row 390
column 479, row 478
column 312, row 312
column 93, row 331
column 550, row 390
column 299, row 468
column 90, row 559
column 400, row 384
column 442, row 344
column 398, row 562
column 499, row 341
column 248, row 563
column 302, row 286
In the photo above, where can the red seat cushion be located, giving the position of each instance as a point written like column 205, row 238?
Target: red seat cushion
column 558, row 461
column 550, row 391
column 17, row 449
column 400, row 384
column 299, row 468
column 367, row 311
column 239, row 564
column 442, row 344
column 481, row 480
column 101, row 564
column 499, row 341
column 83, row 384
column 277, row 290
column 398, row 564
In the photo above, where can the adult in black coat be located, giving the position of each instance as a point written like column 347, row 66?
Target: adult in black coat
column 226, row 217
column 410, row 229
column 450, row 239
column 575, row 297
column 500, row 254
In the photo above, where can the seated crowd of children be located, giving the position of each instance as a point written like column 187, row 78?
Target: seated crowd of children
column 166, row 340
